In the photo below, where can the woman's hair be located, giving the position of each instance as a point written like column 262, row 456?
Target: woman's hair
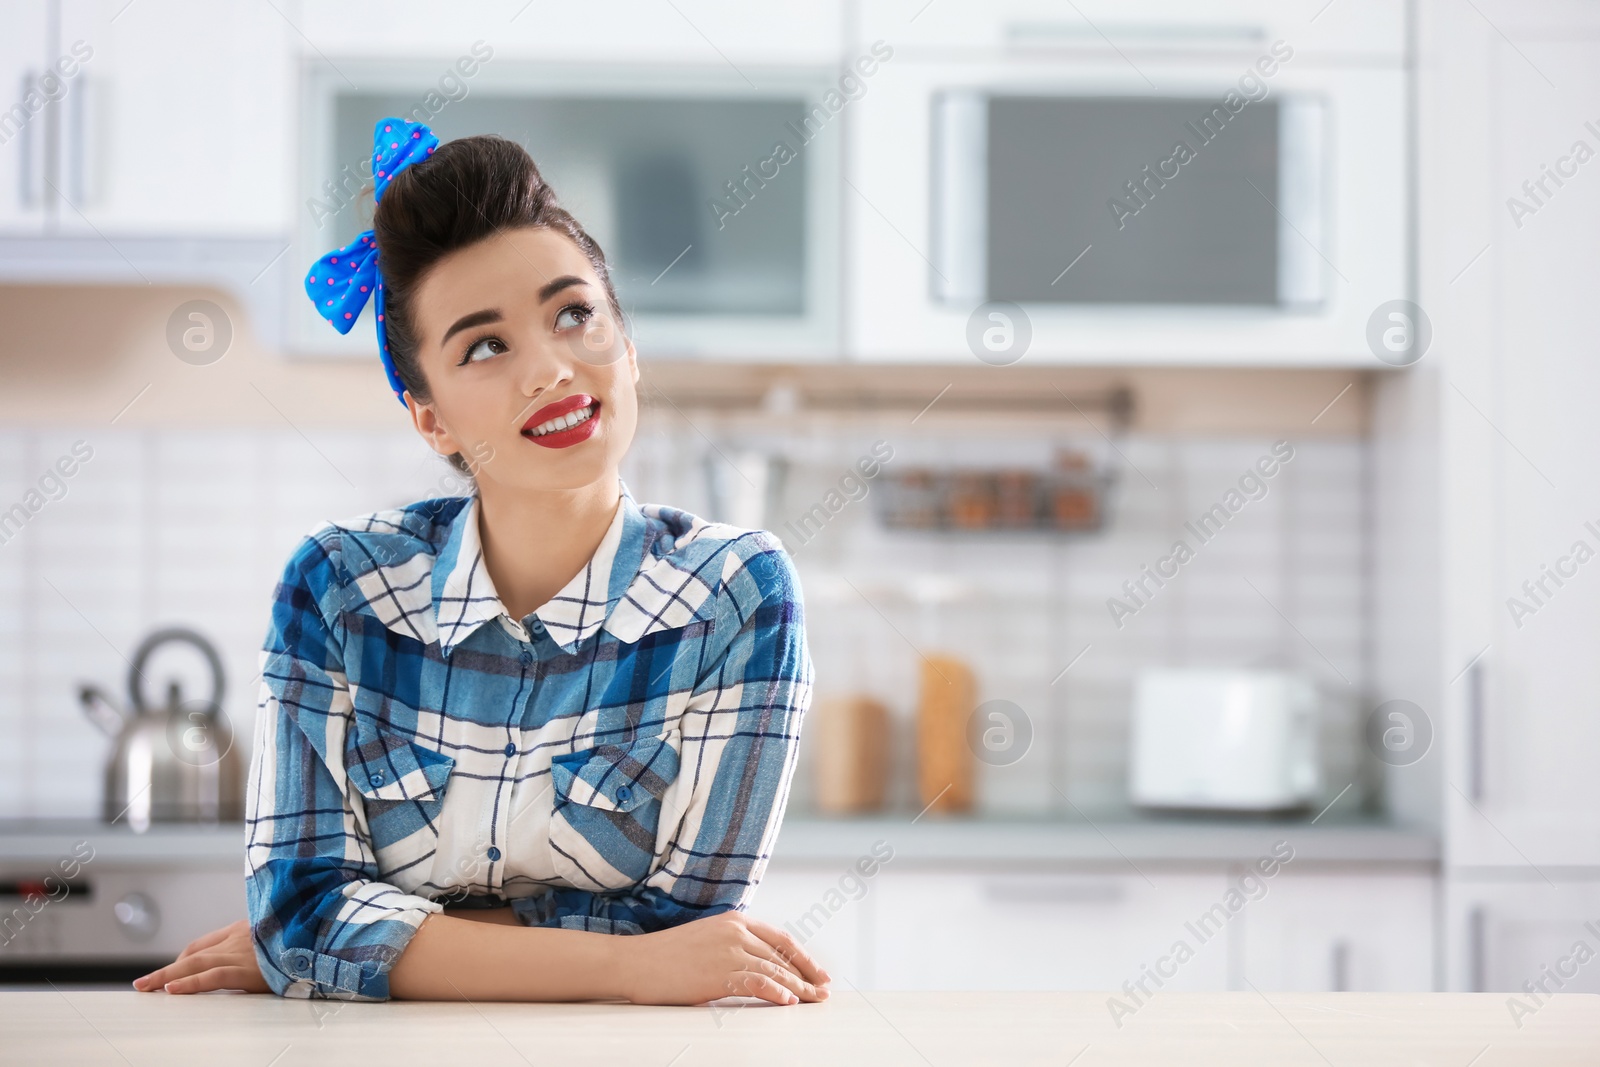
column 468, row 189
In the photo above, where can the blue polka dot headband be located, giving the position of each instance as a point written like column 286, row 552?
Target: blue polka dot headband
column 340, row 282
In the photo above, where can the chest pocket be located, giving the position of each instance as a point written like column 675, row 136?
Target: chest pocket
column 607, row 810
column 401, row 783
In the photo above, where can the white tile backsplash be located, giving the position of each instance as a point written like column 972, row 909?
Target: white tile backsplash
column 192, row 527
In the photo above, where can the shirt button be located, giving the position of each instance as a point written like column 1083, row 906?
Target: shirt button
column 536, row 627
column 376, row 777
column 527, row 658
column 494, row 853
column 623, row 792
column 511, row 749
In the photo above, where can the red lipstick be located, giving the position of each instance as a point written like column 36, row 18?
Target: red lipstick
column 567, row 436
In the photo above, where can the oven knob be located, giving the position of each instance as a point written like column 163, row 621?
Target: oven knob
column 138, row 916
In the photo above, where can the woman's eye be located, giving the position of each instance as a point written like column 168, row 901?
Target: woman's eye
column 482, row 350
column 573, row 315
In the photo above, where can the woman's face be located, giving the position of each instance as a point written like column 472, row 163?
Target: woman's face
column 532, row 378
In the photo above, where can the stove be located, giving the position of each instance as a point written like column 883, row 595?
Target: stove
column 84, row 901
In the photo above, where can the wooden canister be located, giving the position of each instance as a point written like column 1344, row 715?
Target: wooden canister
column 944, row 759
column 851, row 753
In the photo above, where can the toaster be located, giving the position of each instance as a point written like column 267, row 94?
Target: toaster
column 1224, row 739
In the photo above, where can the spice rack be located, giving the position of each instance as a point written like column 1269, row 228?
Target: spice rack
column 1070, row 496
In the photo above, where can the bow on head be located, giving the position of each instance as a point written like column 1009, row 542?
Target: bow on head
column 340, row 282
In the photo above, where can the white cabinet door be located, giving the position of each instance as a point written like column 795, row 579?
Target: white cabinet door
column 1524, row 789
column 955, row 930
column 1369, row 27
column 180, row 122
column 827, row 909
column 1506, row 935
column 1332, row 932
column 721, row 33
column 26, row 112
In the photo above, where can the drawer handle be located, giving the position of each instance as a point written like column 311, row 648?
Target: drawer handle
column 1013, row 891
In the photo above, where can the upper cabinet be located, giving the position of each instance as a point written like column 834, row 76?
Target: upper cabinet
column 879, row 180
column 714, row 197
column 710, row 33
column 161, row 118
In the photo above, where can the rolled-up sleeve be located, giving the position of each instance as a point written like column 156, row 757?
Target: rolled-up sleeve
column 323, row 921
column 741, row 731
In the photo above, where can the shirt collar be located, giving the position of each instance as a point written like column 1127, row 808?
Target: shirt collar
column 464, row 596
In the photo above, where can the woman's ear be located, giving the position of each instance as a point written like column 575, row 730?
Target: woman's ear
column 429, row 425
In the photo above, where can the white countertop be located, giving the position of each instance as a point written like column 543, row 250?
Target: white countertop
column 916, row 1029
column 1115, row 837
column 1105, row 838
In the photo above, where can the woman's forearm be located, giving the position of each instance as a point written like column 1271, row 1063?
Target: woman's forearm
column 451, row 958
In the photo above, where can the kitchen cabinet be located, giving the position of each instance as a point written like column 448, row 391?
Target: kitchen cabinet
column 1510, row 266
column 711, row 32
column 1020, row 929
column 1510, row 929
column 1361, row 25
column 25, row 57
column 719, row 244
column 174, row 120
column 1340, row 932
column 1526, row 787
column 916, row 924
column 1483, row 455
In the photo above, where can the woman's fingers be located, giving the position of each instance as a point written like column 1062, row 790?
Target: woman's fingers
column 781, row 974
column 782, row 970
column 229, row 977
column 790, row 949
column 214, row 937
column 183, row 967
column 754, row 983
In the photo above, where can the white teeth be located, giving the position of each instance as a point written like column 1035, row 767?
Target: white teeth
column 561, row 422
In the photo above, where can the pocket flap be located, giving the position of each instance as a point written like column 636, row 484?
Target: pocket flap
column 385, row 766
column 616, row 777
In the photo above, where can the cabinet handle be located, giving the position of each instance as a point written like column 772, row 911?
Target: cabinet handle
column 76, row 141
column 1029, row 892
column 1475, row 728
column 1477, row 950
column 1339, row 967
column 27, row 153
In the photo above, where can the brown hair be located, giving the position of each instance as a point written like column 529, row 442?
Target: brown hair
column 468, row 189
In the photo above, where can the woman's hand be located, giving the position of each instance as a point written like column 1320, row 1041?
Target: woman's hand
column 724, row 955
column 222, row 959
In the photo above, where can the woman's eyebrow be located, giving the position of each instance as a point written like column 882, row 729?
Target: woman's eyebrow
column 476, row 318
column 566, row 281
column 488, row 315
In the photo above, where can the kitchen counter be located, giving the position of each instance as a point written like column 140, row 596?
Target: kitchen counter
column 921, row 1029
column 1110, row 838
column 1114, row 837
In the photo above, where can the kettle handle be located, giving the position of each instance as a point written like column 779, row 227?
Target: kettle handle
column 165, row 636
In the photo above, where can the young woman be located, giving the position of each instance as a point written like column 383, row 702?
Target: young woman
column 533, row 743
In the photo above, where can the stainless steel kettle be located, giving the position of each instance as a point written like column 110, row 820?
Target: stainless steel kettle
column 175, row 763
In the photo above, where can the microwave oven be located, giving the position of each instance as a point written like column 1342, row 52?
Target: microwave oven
column 1243, row 206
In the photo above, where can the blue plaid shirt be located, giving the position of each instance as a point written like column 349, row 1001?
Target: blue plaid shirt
column 617, row 761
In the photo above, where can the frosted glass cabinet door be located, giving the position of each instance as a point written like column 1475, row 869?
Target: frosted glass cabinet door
column 715, row 202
